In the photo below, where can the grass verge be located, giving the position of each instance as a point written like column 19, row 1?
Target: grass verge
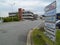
column 58, row 37
column 38, row 37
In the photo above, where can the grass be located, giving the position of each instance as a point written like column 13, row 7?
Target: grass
column 39, row 38
column 58, row 37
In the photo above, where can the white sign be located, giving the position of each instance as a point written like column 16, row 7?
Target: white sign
column 50, row 25
column 51, row 6
column 50, row 13
column 50, row 20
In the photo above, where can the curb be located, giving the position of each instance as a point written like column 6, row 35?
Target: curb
column 29, row 37
column 29, row 41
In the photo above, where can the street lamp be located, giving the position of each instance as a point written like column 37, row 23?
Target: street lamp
column 12, row 9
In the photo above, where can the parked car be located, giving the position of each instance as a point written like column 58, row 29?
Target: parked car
column 58, row 24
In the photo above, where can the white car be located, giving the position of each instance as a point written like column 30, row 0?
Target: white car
column 58, row 24
column 57, row 21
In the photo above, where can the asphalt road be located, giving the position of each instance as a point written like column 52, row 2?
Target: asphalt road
column 15, row 33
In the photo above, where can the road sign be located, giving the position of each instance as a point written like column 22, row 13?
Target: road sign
column 50, row 7
column 50, row 20
column 50, row 13
column 50, row 25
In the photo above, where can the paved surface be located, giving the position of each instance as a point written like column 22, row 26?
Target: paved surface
column 15, row 33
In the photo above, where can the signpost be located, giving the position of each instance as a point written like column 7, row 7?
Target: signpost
column 50, row 20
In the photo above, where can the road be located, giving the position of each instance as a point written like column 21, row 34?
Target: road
column 15, row 33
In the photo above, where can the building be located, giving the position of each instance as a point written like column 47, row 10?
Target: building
column 27, row 15
column 12, row 14
column 23, row 14
column 35, row 16
column 20, row 12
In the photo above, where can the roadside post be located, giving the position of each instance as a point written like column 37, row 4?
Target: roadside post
column 50, row 21
column 1, row 20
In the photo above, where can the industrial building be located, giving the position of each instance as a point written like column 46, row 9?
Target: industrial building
column 23, row 14
column 27, row 15
column 13, row 14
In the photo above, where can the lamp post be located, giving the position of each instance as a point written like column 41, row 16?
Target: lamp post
column 12, row 8
column 1, row 20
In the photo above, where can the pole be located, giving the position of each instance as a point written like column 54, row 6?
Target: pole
column 12, row 9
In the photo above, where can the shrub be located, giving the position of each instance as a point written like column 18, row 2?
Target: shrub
column 7, row 19
column 15, row 19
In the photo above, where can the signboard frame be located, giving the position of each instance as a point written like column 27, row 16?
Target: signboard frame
column 50, row 20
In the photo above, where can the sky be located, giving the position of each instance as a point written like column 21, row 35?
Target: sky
column 36, row 6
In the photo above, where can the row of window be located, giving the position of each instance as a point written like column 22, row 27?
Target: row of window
column 27, row 13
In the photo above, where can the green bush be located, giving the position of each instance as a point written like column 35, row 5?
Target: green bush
column 7, row 19
column 15, row 19
column 10, row 19
column 0, row 18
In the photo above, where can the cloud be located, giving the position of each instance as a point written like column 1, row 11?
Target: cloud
column 24, row 3
column 36, row 6
column 30, row 3
column 3, row 14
